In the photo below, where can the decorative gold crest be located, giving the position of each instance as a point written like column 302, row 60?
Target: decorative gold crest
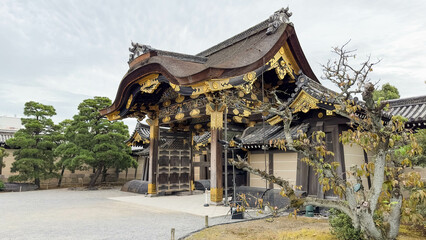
column 194, row 112
column 180, row 99
column 166, row 119
column 166, row 103
column 179, row 116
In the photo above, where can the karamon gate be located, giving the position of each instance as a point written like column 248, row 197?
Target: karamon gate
column 188, row 100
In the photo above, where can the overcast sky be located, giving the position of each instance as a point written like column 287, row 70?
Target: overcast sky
column 62, row 52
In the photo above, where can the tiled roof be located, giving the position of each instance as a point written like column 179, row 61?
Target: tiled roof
column 5, row 135
column 414, row 109
column 258, row 134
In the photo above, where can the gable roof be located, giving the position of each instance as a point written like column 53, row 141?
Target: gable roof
column 245, row 52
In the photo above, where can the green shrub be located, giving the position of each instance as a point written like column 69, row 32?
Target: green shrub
column 341, row 226
column 1, row 185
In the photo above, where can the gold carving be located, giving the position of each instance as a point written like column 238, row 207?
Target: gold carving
column 179, row 116
column 284, row 63
column 238, row 119
column 240, row 94
column 246, row 113
column 129, row 101
column 216, row 115
column 138, row 137
column 329, row 112
column 113, row 116
column 198, row 126
column 320, row 115
column 235, row 111
column 253, row 96
column 180, row 99
column 250, row 77
column 274, row 120
column 194, row 112
column 215, row 85
column 251, row 123
column 166, row 119
column 166, row 103
column 304, row 102
column 149, row 83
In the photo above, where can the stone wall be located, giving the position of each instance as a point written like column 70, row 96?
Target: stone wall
column 78, row 178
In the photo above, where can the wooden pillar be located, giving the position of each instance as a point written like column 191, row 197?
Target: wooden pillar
column 271, row 169
column 216, row 162
column 153, row 154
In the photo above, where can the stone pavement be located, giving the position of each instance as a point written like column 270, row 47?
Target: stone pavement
column 192, row 204
column 102, row 214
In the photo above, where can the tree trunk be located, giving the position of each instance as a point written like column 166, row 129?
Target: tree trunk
column 95, row 177
column 37, row 182
column 60, row 178
column 104, row 173
column 1, row 165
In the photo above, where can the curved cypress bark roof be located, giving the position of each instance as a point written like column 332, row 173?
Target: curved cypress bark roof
column 236, row 56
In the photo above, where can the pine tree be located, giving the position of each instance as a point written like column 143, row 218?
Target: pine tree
column 97, row 142
column 34, row 159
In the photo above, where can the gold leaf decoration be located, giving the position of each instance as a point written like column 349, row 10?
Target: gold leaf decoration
column 179, row 116
column 194, row 112
column 166, row 119
column 129, row 101
column 180, row 99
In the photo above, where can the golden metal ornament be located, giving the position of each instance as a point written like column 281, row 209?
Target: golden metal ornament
column 329, row 112
column 241, row 94
column 113, row 116
column 166, row 119
column 129, row 101
column 235, row 112
column 304, row 102
column 174, row 86
column 320, row 115
column 166, row 103
column 180, row 99
column 246, row 113
column 216, row 120
column 251, row 124
column 274, row 120
column 284, row 63
column 149, row 83
column 216, row 85
column 179, row 116
column 194, row 112
column 198, row 126
column 238, row 119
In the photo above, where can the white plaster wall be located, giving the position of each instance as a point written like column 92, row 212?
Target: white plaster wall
column 285, row 166
column 258, row 161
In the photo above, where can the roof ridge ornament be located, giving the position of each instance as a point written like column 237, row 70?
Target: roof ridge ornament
column 279, row 17
column 137, row 50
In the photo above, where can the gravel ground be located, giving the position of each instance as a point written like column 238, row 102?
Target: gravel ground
column 66, row 214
